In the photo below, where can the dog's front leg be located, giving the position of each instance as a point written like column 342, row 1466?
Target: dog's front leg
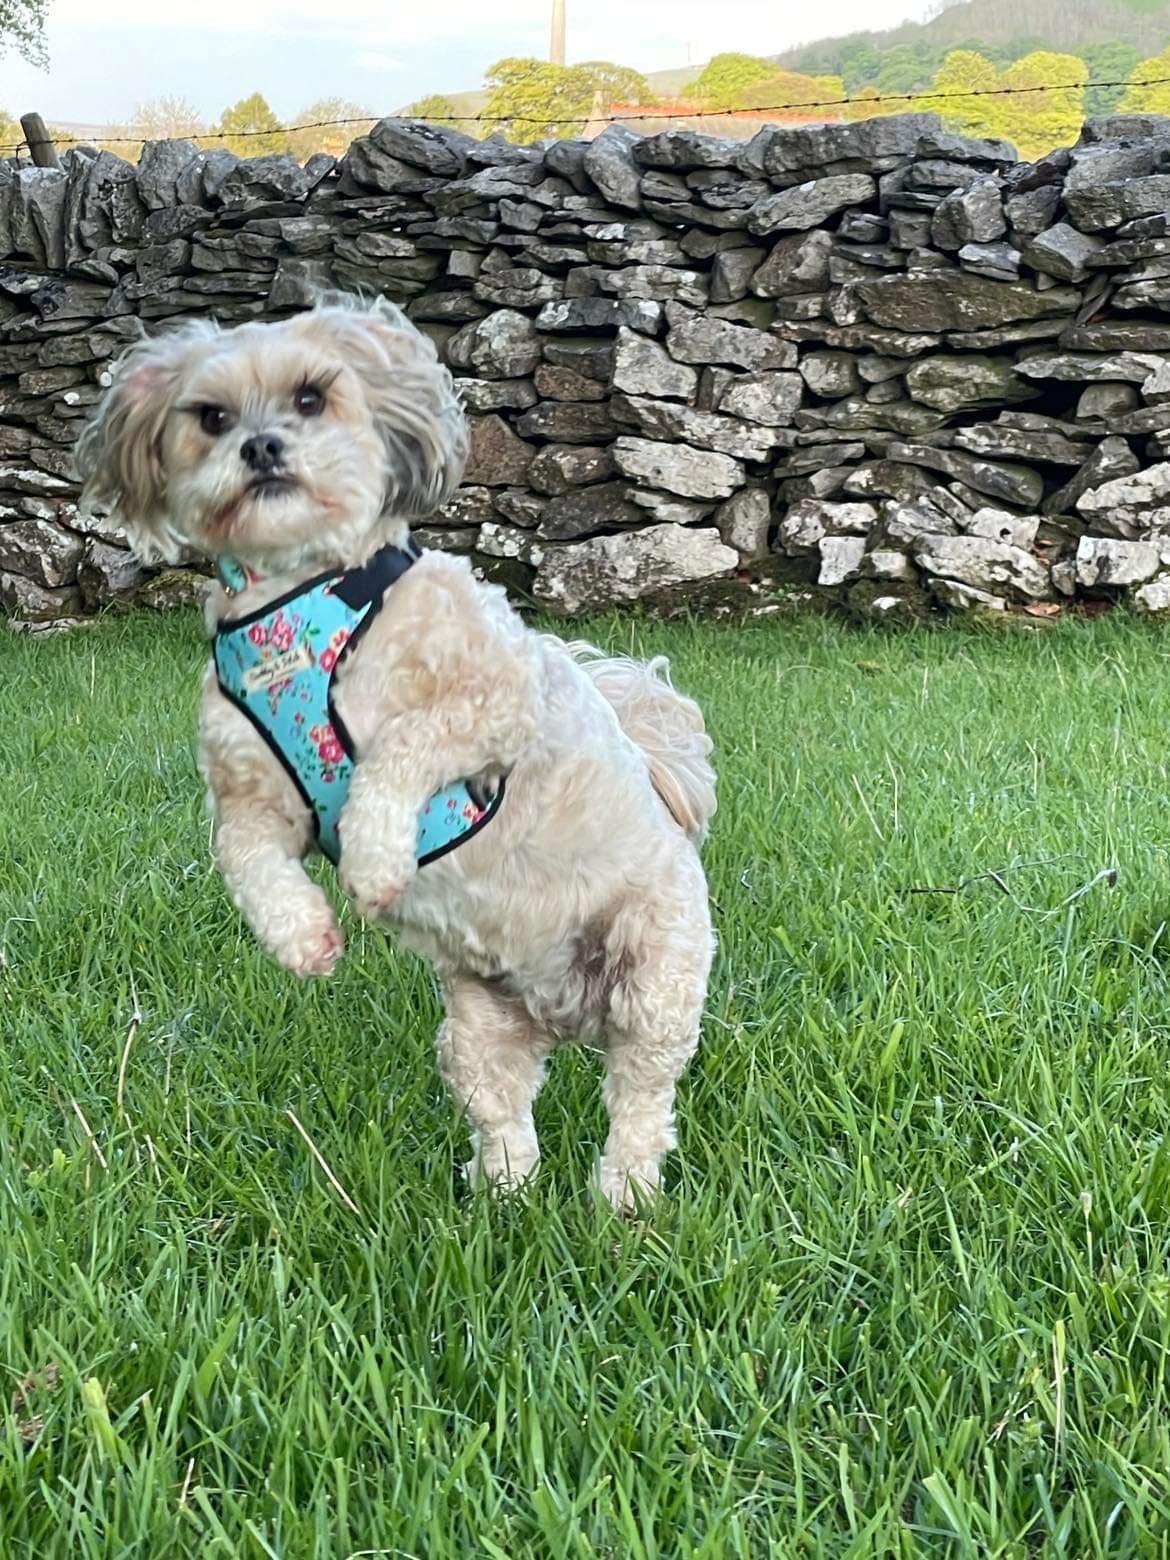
column 258, row 851
column 410, row 758
column 261, row 833
column 464, row 680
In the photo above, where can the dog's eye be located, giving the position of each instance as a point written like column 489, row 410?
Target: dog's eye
column 215, row 420
column 310, row 401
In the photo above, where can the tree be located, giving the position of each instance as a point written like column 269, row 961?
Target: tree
column 863, row 104
column 1151, row 99
column 1042, row 107
column 1052, row 112
column 536, row 100
column 22, row 27
column 1003, row 52
column 908, row 68
column 166, row 119
column 963, row 71
column 791, row 87
column 1108, row 62
column 436, row 110
column 821, row 59
column 250, row 128
column 618, row 83
column 331, row 124
column 859, row 64
column 728, row 76
column 831, row 88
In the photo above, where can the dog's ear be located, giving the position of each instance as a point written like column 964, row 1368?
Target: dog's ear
column 411, row 396
column 119, row 454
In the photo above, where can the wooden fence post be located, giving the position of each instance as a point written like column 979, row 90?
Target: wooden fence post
column 41, row 148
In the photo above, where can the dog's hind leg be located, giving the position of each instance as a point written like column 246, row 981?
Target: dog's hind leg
column 653, row 1030
column 492, row 1057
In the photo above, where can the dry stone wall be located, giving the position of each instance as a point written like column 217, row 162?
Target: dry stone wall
column 869, row 364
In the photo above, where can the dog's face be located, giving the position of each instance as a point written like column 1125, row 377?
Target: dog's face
column 276, row 443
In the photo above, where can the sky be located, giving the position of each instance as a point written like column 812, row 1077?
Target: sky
column 107, row 57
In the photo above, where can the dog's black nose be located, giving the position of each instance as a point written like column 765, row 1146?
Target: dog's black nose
column 263, row 452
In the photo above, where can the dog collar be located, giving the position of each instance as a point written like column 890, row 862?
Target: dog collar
column 235, row 576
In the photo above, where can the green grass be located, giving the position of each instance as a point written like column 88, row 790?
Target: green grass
column 909, row 1294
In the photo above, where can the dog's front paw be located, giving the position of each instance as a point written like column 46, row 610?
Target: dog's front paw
column 378, row 862
column 376, row 879
column 505, row 1164
column 628, row 1186
column 313, row 947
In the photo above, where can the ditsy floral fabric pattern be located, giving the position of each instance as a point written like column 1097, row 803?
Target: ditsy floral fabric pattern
column 278, row 669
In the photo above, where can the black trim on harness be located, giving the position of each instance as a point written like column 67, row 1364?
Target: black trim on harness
column 462, row 839
column 387, row 566
column 277, row 753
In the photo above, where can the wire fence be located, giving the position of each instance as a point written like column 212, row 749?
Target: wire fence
column 658, row 115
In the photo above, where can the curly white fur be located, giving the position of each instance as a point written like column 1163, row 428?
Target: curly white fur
column 581, row 911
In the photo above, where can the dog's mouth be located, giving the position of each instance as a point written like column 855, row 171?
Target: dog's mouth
column 272, row 486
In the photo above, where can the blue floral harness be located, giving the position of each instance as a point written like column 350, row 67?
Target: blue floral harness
column 277, row 666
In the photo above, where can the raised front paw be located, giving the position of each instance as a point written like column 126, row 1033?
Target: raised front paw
column 378, row 862
column 310, row 945
column 371, row 893
column 373, row 878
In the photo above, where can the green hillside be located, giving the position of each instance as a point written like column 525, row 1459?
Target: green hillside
column 1003, row 30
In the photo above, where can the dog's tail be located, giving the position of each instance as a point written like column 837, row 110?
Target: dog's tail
column 666, row 725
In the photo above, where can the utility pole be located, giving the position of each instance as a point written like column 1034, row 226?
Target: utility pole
column 556, row 52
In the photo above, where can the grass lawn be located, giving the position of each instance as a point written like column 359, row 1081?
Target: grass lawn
column 909, row 1293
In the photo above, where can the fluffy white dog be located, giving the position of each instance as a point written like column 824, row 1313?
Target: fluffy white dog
column 575, row 905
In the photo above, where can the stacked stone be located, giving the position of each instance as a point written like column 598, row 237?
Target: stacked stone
column 874, row 364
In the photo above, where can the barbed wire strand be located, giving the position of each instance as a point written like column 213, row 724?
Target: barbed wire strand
column 623, row 119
